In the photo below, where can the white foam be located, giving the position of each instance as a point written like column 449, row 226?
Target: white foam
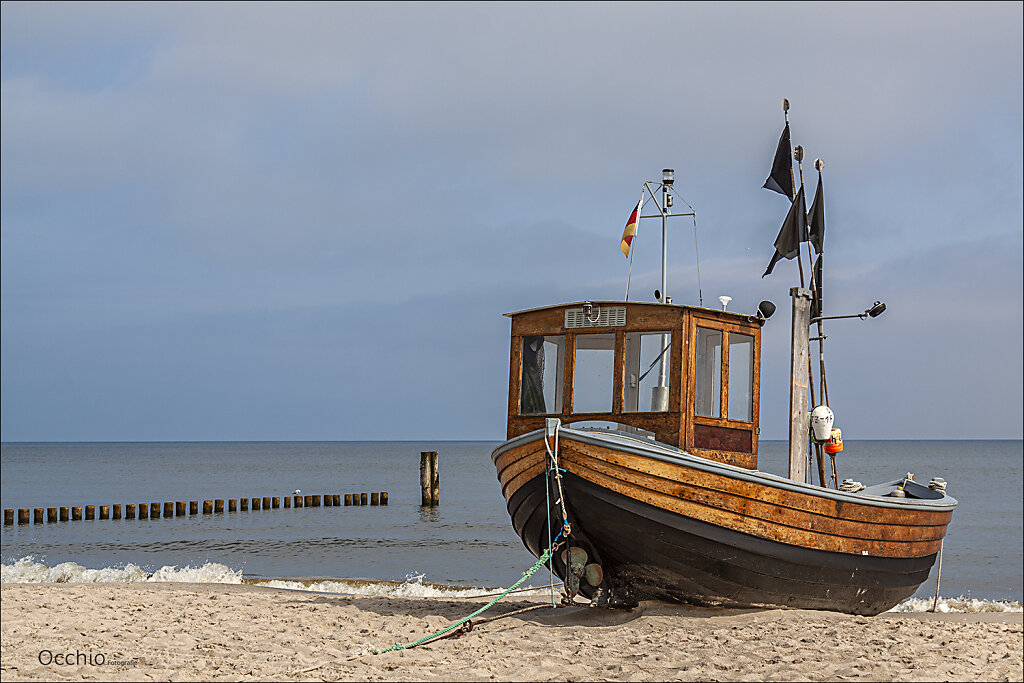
column 27, row 570
column 413, row 587
column 960, row 604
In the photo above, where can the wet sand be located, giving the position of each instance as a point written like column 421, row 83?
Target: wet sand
column 236, row 632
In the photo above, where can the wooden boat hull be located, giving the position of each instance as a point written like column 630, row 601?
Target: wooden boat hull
column 666, row 525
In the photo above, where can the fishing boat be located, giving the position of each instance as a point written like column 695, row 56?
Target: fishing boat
column 632, row 456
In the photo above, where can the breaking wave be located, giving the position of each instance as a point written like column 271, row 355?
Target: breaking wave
column 28, row 570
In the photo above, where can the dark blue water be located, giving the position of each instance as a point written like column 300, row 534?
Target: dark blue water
column 467, row 540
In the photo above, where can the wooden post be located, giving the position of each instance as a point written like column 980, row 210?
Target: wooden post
column 328, row 500
column 76, row 514
column 425, row 479
column 938, row 577
column 179, row 508
column 275, row 502
column 22, row 515
column 266, row 502
column 374, row 498
column 90, row 512
column 362, row 499
column 193, row 507
column 287, row 501
column 218, row 505
column 37, row 515
column 117, row 511
column 383, row 497
column 243, row 504
column 336, row 499
column 104, row 511
column 51, row 515
column 307, row 501
column 298, row 501
column 255, row 503
column 207, row 507
column 169, row 508
column 348, row 499
column 8, row 516
column 65, row 514
column 154, row 510
column 232, row 505
column 129, row 511
column 799, row 422
column 435, row 481
column 143, row 511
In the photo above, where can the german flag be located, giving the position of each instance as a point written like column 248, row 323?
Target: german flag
column 629, row 232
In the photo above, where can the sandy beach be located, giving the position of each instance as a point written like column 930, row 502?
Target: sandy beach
column 235, row 632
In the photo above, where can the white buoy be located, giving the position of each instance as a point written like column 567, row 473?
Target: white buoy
column 821, row 423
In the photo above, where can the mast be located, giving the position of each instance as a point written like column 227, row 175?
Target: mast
column 667, row 179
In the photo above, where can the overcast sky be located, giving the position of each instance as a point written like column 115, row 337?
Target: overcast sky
column 259, row 221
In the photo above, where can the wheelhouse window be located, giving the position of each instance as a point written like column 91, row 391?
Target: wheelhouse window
column 543, row 367
column 708, row 387
column 594, row 373
column 648, row 364
column 741, row 377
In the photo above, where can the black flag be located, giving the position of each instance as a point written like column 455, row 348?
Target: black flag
column 816, row 219
column 792, row 232
column 781, row 178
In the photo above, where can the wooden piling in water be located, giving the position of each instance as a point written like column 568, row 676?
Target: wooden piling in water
column 307, row 501
column 275, row 502
column 169, row 508
column 218, row 505
column 266, row 502
column 193, row 507
column 336, row 499
column 90, row 512
column 328, row 500
column 287, row 501
column 383, row 497
column 243, row 504
column 255, row 503
column 65, row 514
column 8, row 516
column 37, row 515
column 129, row 511
column 298, row 501
column 363, row 499
column 51, row 515
column 348, row 499
column 232, row 505
column 143, row 511
column 179, row 508
column 22, row 515
column 374, row 498
column 316, row 501
column 116, row 512
column 154, row 510
column 207, row 507
column 104, row 512
column 429, row 480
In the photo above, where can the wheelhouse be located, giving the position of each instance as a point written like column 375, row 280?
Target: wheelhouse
column 682, row 375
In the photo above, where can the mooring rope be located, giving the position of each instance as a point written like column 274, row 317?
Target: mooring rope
column 552, row 451
column 527, row 574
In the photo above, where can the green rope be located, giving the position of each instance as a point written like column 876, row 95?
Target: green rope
column 529, row 572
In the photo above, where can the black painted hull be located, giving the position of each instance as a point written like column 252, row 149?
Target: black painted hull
column 650, row 553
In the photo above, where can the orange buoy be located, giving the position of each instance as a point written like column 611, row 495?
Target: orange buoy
column 835, row 442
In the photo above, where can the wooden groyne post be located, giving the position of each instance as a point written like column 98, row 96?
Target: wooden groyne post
column 430, row 483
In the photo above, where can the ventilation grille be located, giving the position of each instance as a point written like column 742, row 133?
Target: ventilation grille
column 606, row 316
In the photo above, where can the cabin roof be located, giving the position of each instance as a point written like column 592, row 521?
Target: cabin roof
column 748, row 317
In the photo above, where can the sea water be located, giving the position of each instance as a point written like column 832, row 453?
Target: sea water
column 466, row 545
